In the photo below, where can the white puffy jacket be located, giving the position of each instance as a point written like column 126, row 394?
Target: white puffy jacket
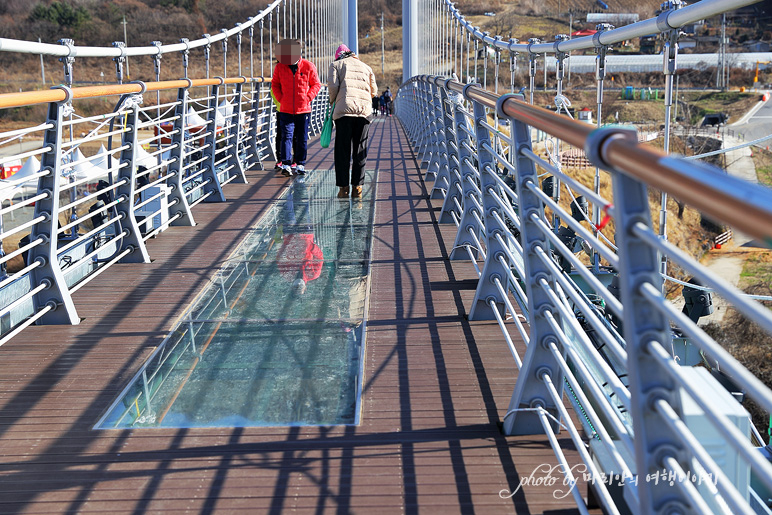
column 352, row 87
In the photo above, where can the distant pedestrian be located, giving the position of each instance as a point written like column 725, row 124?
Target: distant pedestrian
column 294, row 84
column 389, row 101
column 352, row 86
column 376, row 104
column 382, row 103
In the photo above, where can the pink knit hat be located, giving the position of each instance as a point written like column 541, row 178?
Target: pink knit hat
column 341, row 49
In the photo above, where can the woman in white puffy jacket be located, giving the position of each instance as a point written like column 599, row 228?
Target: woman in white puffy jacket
column 352, row 86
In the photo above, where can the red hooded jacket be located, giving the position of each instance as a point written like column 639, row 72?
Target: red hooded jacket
column 294, row 92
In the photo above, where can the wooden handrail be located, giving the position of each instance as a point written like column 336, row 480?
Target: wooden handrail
column 744, row 206
column 26, row 98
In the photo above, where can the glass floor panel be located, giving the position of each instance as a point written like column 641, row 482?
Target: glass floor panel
column 277, row 336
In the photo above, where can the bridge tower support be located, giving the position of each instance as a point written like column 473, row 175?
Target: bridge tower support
column 410, row 40
column 350, row 21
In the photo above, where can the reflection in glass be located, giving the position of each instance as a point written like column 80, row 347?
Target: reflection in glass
column 277, row 336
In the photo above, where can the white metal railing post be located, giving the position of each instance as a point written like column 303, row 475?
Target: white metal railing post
column 654, row 441
column 238, row 46
column 209, row 173
column 119, row 60
column 493, row 270
column 512, row 64
column 447, row 142
column 235, row 130
column 68, row 61
column 454, row 197
column 471, row 224
column 432, row 165
column 207, row 53
column 261, row 119
column 420, row 131
column 429, row 158
column 177, row 196
column 126, row 191
column 224, row 44
column 185, row 56
column 56, row 295
column 531, row 394
column 415, row 112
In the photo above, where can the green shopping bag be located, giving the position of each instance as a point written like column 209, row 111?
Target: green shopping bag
column 326, row 136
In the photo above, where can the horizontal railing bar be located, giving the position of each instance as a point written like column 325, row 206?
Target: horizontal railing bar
column 34, row 243
column 18, row 275
column 24, row 298
column 83, row 237
column 717, row 419
column 608, row 502
column 679, row 428
column 24, row 226
column 731, row 200
column 24, row 203
column 21, row 156
column 101, row 269
column 9, row 100
column 31, row 320
column 26, row 130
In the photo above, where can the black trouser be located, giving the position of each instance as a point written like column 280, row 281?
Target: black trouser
column 350, row 133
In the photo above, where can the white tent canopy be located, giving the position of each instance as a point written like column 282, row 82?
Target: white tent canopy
column 224, row 112
column 8, row 191
column 31, row 167
column 194, row 119
column 226, row 108
column 143, row 158
column 86, row 169
column 11, row 187
column 101, row 161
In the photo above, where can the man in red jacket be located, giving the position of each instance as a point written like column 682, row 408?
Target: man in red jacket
column 294, row 84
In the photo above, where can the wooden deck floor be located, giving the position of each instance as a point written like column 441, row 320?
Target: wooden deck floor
column 435, row 386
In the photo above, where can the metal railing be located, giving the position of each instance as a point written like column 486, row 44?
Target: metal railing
column 599, row 330
column 581, row 276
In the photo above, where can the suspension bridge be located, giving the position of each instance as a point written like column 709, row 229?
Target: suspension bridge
column 482, row 330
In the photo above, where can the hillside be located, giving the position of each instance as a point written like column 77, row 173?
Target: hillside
column 99, row 23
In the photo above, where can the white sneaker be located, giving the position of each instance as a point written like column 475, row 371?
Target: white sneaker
column 286, row 170
column 300, row 169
